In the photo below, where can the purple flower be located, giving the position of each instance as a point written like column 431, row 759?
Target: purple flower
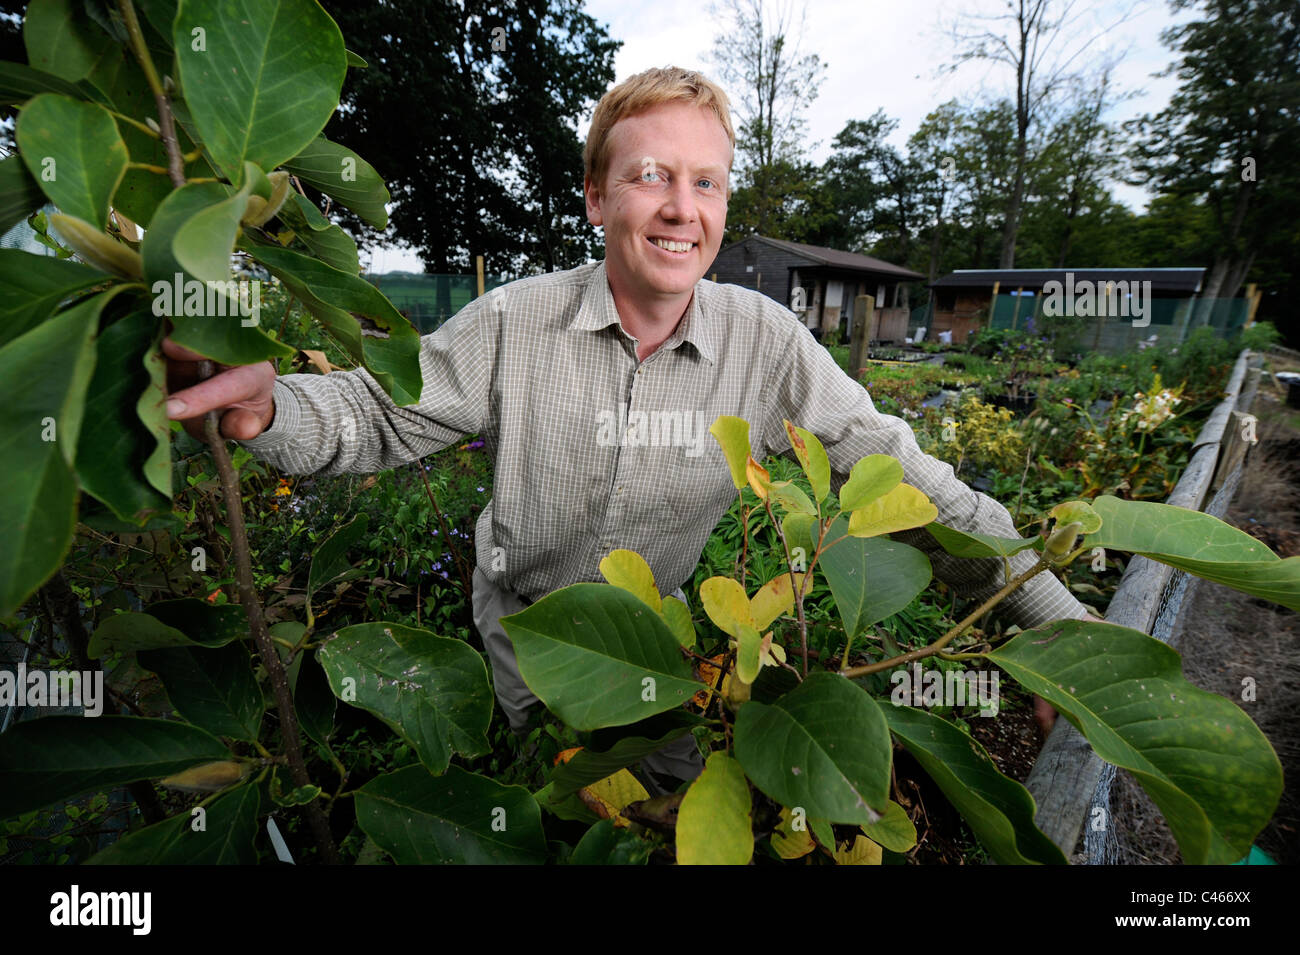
column 475, row 445
column 444, row 574
column 480, row 490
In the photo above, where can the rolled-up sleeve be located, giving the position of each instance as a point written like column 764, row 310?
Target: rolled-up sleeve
column 345, row 422
column 813, row 392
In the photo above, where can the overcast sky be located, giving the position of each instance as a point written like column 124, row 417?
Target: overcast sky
column 887, row 54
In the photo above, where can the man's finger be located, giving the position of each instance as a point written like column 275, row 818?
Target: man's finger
column 220, row 391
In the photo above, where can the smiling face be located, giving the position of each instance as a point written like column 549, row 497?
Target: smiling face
column 663, row 202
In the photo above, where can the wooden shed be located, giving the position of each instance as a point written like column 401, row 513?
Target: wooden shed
column 819, row 284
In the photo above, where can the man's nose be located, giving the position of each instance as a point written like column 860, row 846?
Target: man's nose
column 679, row 204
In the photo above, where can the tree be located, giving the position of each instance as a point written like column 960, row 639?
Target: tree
column 474, row 108
column 1230, row 136
column 771, row 84
column 1035, row 40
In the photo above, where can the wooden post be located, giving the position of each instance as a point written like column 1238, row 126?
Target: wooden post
column 1015, row 313
column 993, row 303
column 1237, row 439
column 864, row 306
column 478, row 266
column 1252, row 302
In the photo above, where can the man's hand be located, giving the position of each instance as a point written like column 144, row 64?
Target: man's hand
column 240, row 395
column 1044, row 713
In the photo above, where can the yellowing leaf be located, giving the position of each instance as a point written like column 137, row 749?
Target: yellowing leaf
column 773, row 599
column 862, row 852
column 758, row 478
column 627, row 569
column 788, row 842
column 1077, row 512
column 894, row 830
column 902, row 508
column 678, row 617
column 812, row 458
column 732, row 435
column 726, row 604
column 609, row 796
column 872, row 477
column 790, row 496
column 713, row 825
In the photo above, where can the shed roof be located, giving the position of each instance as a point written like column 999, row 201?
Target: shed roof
column 820, row 255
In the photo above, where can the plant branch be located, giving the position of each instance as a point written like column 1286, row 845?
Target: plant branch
column 466, row 578
column 257, row 625
column 166, row 124
column 952, row 634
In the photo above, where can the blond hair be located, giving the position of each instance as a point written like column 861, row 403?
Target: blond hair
column 645, row 91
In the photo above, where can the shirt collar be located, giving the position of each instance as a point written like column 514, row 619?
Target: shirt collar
column 698, row 326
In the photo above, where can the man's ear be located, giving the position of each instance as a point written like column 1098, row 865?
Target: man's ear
column 593, row 198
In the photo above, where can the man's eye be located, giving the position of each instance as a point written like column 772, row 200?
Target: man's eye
column 708, row 183
column 650, row 175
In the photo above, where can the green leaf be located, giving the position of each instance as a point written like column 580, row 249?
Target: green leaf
column 20, row 194
column 61, row 39
column 212, row 688
column 202, row 243
column 1210, row 770
column 872, row 477
column 230, row 826
column 224, row 338
column 902, row 508
column 313, row 699
column 894, row 831
column 812, row 458
column 57, row 757
column 432, row 691
column 265, row 82
column 823, row 746
column 391, row 352
column 19, row 83
column 113, row 456
column 44, row 375
column 460, row 817
column 748, row 653
column 74, row 153
column 127, row 92
column 732, row 435
column 35, row 285
column 597, row 656
column 323, row 239
column 713, row 824
column 1199, row 544
column 128, row 632
column 606, row 844
column 344, row 176
column 871, row 578
column 202, row 622
column 355, row 61
column 999, row 810
column 331, row 559
column 613, row 749
column 970, row 544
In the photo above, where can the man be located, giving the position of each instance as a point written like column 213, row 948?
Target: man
column 540, row 367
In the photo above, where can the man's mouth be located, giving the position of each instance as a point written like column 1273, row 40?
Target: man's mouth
column 673, row 245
